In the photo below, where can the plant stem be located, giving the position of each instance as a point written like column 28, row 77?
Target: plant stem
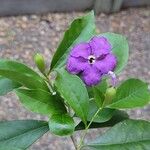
column 73, row 141
column 49, row 71
column 51, row 89
column 49, row 84
column 86, row 129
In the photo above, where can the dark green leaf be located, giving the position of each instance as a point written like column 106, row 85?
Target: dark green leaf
column 81, row 29
column 127, row 135
column 132, row 93
column 7, row 85
column 19, row 135
column 74, row 92
column 41, row 101
column 118, row 116
column 22, row 74
column 120, row 48
column 61, row 124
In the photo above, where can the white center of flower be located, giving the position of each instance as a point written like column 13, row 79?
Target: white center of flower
column 91, row 59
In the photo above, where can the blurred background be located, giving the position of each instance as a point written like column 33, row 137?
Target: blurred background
column 29, row 26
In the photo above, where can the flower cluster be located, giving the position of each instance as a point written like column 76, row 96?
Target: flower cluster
column 92, row 60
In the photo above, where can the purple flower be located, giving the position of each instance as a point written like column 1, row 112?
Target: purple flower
column 91, row 60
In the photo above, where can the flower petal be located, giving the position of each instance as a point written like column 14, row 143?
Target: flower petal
column 100, row 46
column 76, row 65
column 107, row 64
column 81, row 50
column 91, row 75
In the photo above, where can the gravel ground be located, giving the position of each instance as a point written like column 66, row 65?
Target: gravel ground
column 22, row 36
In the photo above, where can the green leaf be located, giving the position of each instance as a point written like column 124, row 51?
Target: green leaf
column 19, row 135
column 81, row 29
column 22, row 74
column 74, row 92
column 102, row 86
column 41, row 101
column 7, row 85
column 127, row 135
column 120, row 48
column 104, row 115
column 5, row 147
column 97, row 92
column 98, row 97
column 118, row 116
column 132, row 93
column 61, row 124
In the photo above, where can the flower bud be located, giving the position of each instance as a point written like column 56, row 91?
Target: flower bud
column 109, row 95
column 39, row 61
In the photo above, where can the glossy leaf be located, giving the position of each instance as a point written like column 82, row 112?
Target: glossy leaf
column 19, row 135
column 61, row 124
column 7, row 85
column 22, row 74
column 127, row 135
column 117, row 117
column 81, row 29
column 132, row 93
column 41, row 101
column 74, row 92
column 120, row 48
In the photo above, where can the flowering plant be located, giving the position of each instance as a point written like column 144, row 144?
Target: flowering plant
column 78, row 92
